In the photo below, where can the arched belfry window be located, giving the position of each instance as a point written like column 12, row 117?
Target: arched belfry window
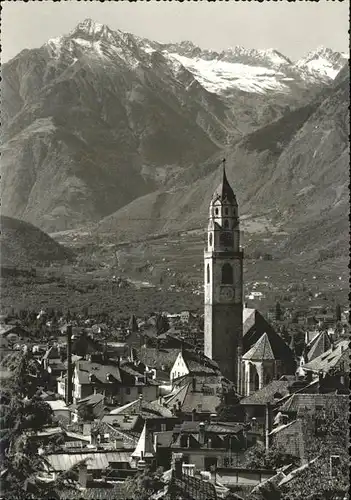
column 226, row 210
column 210, row 239
column 216, row 211
column 227, row 274
column 208, row 273
column 226, row 223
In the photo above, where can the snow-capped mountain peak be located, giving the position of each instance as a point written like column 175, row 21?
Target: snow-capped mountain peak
column 323, row 61
column 90, row 28
column 226, row 72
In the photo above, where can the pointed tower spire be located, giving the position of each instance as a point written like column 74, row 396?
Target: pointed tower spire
column 224, row 190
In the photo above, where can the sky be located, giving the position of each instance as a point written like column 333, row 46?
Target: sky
column 292, row 28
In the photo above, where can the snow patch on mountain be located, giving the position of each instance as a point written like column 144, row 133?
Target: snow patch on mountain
column 218, row 76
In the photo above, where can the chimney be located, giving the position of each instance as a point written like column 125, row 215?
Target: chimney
column 268, row 425
column 69, row 366
column 141, row 464
column 83, row 475
column 202, row 433
column 178, row 465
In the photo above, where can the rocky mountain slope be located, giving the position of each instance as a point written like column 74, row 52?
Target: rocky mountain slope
column 98, row 119
column 294, row 171
column 24, row 245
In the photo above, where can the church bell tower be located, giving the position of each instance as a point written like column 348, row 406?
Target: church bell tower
column 224, row 283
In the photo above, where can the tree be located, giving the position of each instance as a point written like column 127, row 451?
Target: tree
column 258, row 457
column 144, row 484
column 229, row 409
column 325, row 434
column 19, row 454
column 26, row 376
column 162, row 324
column 133, row 325
column 278, row 312
column 338, row 312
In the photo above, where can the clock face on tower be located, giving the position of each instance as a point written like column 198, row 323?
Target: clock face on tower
column 226, row 293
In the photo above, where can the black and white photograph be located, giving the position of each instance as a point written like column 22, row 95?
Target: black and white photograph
column 174, row 314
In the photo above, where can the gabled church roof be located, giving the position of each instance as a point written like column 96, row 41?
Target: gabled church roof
column 224, row 190
column 261, row 350
column 255, row 325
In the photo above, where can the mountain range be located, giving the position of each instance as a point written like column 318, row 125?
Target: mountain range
column 104, row 127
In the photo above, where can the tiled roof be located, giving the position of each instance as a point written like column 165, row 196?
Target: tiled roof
column 261, row 350
column 198, row 363
column 319, row 345
column 17, row 329
column 190, row 400
column 337, row 357
column 185, row 487
column 164, row 439
column 267, row 394
column 301, row 402
column 99, row 371
column 96, row 460
column 156, row 358
column 92, row 400
column 130, row 438
column 215, row 428
column 111, row 491
column 143, row 408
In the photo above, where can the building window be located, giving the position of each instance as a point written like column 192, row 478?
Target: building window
column 216, row 211
column 208, row 273
column 227, row 274
column 210, row 239
column 226, row 223
column 127, row 390
column 226, row 211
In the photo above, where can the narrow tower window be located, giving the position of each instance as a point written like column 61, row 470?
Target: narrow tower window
column 210, row 239
column 227, row 274
column 226, row 224
column 208, row 273
column 216, row 211
column 226, row 210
